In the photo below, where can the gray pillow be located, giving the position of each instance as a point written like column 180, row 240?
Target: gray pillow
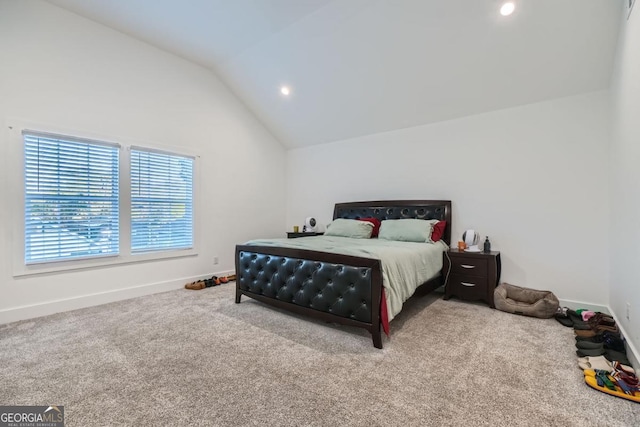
column 407, row 230
column 349, row 228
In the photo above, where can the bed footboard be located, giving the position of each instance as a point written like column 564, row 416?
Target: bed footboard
column 336, row 288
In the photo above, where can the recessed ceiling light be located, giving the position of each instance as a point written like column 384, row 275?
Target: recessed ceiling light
column 507, row 9
column 285, row 90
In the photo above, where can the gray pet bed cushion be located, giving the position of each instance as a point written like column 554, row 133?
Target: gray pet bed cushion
column 529, row 302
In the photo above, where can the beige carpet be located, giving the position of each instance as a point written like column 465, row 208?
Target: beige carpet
column 191, row 358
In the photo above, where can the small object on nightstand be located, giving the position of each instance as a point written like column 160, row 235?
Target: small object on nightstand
column 471, row 275
column 487, row 245
column 296, row 229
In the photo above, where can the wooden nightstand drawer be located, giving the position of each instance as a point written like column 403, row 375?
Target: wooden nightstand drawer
column 468, row 265
column 468, row 287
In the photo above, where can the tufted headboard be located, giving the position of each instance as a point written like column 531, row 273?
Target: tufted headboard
column 398, row 209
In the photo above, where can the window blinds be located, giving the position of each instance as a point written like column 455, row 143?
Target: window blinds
column 161, row 201
column 71, row 198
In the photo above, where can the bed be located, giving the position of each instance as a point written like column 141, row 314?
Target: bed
column 334, row 287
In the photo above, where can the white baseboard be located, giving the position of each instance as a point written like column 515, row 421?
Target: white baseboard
column 632, row 352
column 57, row 306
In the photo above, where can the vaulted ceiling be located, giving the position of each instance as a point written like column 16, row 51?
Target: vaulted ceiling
column 358, row 67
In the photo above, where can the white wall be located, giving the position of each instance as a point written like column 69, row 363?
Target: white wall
column 533, row 178
column 625, row 178
column 63, row 70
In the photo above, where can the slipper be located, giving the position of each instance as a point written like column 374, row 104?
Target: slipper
column 195, row 286
column 582, row 352
column 576, row 318
column 585, row 333
column 596, row 381
column 231, row 277
column 602, row 319
column 616, row 356
column 595, row 362
column 590, row 345
column 563, row 319
column 598, row 338
column 624, row 368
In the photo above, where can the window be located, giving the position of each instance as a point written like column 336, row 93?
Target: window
column 90, row 203
column 161, row 201
column 71, row 198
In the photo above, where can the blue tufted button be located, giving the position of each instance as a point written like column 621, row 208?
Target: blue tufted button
column 352, row 286
column 268, row 258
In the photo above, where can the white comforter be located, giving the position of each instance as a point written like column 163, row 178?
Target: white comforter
column 405, row 265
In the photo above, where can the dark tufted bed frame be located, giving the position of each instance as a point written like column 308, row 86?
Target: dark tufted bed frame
column 332, row 287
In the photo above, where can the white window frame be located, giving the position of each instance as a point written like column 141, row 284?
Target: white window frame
column 16, row 200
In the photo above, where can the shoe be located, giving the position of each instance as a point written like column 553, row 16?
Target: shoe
column 584, row 344
column 623, row 368
column 195, row 286
column 613, row 342
column 562, row 317
column 213, row 281
column 597, row 362
column 586, row 333
column 224, row 279
column 577, row 321
column 601, row 319
column 584, row 352
column 616, row 356
column 597, row 338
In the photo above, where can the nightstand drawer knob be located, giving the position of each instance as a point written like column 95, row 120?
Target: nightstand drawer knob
column 467, row 266
column 471, row 285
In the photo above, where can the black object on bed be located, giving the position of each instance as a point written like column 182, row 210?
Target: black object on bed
column 333, row 287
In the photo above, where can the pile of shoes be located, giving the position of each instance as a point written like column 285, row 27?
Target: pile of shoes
column 207, row 283
column 602, row 353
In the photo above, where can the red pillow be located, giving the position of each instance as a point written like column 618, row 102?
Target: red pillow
column 376, row 225
column 438, row 230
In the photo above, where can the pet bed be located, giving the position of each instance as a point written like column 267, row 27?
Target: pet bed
column 528, row 302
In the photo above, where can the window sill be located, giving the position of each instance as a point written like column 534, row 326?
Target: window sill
column 97, row 263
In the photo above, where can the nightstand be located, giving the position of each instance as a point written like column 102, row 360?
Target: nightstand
column 294, row 235
column 472, row 276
